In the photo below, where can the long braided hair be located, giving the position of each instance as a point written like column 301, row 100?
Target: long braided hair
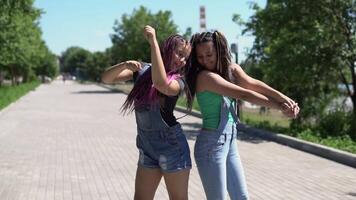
column 223, row 57
column 143, row 92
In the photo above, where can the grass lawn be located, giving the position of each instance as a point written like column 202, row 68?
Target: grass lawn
column 9, row 94
column 273, row 117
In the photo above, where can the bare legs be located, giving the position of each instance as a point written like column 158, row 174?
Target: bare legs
column 147, row 181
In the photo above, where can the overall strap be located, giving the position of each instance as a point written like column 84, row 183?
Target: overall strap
column 232, row 110
column 224, row 114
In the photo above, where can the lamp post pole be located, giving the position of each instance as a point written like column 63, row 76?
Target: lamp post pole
column 234, row 49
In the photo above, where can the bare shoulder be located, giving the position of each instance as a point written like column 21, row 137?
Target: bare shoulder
column 235, row 68
column 204, row 79
column 212, row 81
column 239, row 74
column 206, row 76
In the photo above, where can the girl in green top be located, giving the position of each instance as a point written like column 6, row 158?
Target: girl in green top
column 216, row 80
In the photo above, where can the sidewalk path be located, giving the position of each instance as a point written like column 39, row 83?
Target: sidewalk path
column 68, row 141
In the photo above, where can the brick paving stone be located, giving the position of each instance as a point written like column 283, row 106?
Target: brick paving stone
column 69, row 141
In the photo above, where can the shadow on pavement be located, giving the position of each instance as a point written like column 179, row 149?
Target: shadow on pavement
column 98, row 92
column 251, row 138
column 352, row 194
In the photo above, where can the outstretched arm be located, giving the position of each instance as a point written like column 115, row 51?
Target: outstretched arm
column 215, row 83
column 250, row 83
column 120, row 72
column 159, row 76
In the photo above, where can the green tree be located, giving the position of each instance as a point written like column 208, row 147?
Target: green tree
column 188, row 33
column 47, row 65
column 75, row 60
column 21, row 45
column 128, row 41
column 84, row 64
column 97, row 64
column 306, row 48
column 251, row 67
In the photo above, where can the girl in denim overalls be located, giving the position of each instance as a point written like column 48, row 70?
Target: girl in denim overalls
column 163, row 149
column 216, row 81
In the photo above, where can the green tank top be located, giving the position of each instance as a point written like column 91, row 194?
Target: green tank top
column 210, row 104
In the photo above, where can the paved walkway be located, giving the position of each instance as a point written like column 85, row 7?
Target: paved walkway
column 68, row 141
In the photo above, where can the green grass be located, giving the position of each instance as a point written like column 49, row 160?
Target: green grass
column 9, row 94
column 275, row 122
column 344, row 143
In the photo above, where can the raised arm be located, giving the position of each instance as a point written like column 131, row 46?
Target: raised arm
column 159, row 76
column 120, row 72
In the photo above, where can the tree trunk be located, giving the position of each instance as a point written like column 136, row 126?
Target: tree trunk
column 12, row 75
column 353, row 99
column 2, row 77
column 353, row 92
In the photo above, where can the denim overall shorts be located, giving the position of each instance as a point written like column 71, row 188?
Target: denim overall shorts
column 160, row 146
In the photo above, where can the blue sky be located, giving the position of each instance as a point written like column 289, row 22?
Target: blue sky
column 88, row 23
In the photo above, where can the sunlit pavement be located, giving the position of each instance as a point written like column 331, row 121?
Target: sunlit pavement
column 69, row 141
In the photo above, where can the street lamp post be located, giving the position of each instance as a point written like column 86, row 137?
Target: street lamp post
column 234, row 49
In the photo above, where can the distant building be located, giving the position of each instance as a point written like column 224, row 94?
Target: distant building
column 202, row 24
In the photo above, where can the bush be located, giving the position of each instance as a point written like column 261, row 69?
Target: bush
column 309, row 135
column 336, row 123
column 352, row 122
column 344, row 142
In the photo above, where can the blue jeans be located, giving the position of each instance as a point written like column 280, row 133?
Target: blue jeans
column 160, row 146
column 218, row 161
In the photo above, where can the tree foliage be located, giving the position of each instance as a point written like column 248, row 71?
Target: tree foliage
column 84, row 64
column 306, row 49
column 98, row 62
column 21, row 46
column 75, row 60
column 128, row 41
column 188, row 33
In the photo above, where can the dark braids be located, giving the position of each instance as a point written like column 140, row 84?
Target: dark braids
column 223, row 57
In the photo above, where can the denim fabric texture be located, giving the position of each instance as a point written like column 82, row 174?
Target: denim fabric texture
column 218, row 159
column 160, row 146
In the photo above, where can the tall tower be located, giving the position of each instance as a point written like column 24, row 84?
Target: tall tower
column 202, row 19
